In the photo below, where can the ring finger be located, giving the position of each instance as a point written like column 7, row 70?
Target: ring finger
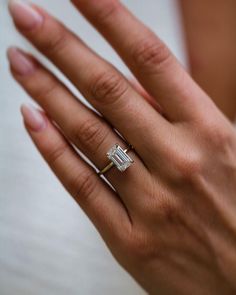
column 89, row 132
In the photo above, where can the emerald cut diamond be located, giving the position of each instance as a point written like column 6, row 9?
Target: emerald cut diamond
column 119, row 158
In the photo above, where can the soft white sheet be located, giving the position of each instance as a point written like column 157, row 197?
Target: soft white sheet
column 47, row 244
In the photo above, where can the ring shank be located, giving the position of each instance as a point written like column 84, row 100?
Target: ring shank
column 106, row 169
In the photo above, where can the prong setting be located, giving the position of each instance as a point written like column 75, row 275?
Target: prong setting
column 119, row 157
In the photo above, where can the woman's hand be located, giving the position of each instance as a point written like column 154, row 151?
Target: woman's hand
column 170, row 220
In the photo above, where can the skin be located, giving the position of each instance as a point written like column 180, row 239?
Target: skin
column 170, row 219
column 211, row 41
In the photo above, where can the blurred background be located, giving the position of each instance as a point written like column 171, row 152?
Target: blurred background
column 47, row 244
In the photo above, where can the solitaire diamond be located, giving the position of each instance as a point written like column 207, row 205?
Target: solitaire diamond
column 120, row 158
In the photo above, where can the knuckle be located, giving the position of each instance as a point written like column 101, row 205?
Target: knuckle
column 48, row 89
column 108, row 87
column 107, row 11
column 150, row 52
column 91, row 134
column 188, row 167
column 84, row 187
column 220, row 136
column 54, row 155
column 54, row 42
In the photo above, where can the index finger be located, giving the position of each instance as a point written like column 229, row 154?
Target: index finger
column 147, row 56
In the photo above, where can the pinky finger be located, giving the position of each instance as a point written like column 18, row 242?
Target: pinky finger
column 95, row 197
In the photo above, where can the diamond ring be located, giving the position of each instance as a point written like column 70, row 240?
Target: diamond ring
column 119, row 158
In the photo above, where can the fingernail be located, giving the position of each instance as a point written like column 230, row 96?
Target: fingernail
column 20, row 62
column 24, row 15
column 33, row 118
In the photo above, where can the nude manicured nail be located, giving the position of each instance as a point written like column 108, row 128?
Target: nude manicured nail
column 20, row 62
column 24, row 15
column 33, row 118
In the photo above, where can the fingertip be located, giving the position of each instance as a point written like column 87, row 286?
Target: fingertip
column 24, row 15
column 33, row 118
column 21, row 63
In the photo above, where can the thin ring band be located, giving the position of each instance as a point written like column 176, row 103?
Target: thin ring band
column 112, row 164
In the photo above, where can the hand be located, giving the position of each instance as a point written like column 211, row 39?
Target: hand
column 170, row 220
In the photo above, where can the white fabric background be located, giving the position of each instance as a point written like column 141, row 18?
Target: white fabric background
column 47, row 244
